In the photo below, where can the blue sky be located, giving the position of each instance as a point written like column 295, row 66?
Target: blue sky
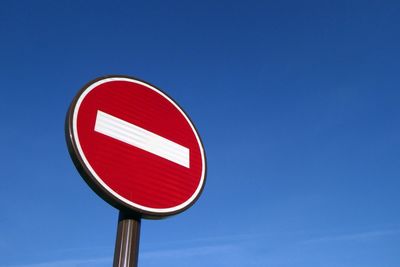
column 297, row 103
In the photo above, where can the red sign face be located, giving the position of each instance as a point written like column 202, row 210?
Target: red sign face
column 136, row 147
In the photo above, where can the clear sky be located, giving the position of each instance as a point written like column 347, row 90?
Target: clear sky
column 297, row 103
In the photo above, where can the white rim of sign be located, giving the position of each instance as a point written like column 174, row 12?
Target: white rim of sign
column 97, row 177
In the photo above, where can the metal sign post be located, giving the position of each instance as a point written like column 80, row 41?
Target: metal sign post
column 127, row 242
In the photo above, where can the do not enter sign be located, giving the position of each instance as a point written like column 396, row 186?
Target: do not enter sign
column 135, row 147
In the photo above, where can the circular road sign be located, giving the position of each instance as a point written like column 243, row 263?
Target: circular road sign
column 135, row 147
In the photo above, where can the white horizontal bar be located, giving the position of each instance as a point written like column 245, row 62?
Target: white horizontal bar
column 136, row 136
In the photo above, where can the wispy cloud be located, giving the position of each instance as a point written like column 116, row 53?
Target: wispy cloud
column 207, row 246
column 188, row 252
column 71, row 263
column 213, row 240
column 355, row 236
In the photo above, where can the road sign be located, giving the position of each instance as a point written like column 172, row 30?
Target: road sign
column 135, row 147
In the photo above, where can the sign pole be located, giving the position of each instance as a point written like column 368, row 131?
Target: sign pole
column 127, row 242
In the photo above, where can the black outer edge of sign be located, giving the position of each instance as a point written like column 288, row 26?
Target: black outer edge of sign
column 92, row 181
